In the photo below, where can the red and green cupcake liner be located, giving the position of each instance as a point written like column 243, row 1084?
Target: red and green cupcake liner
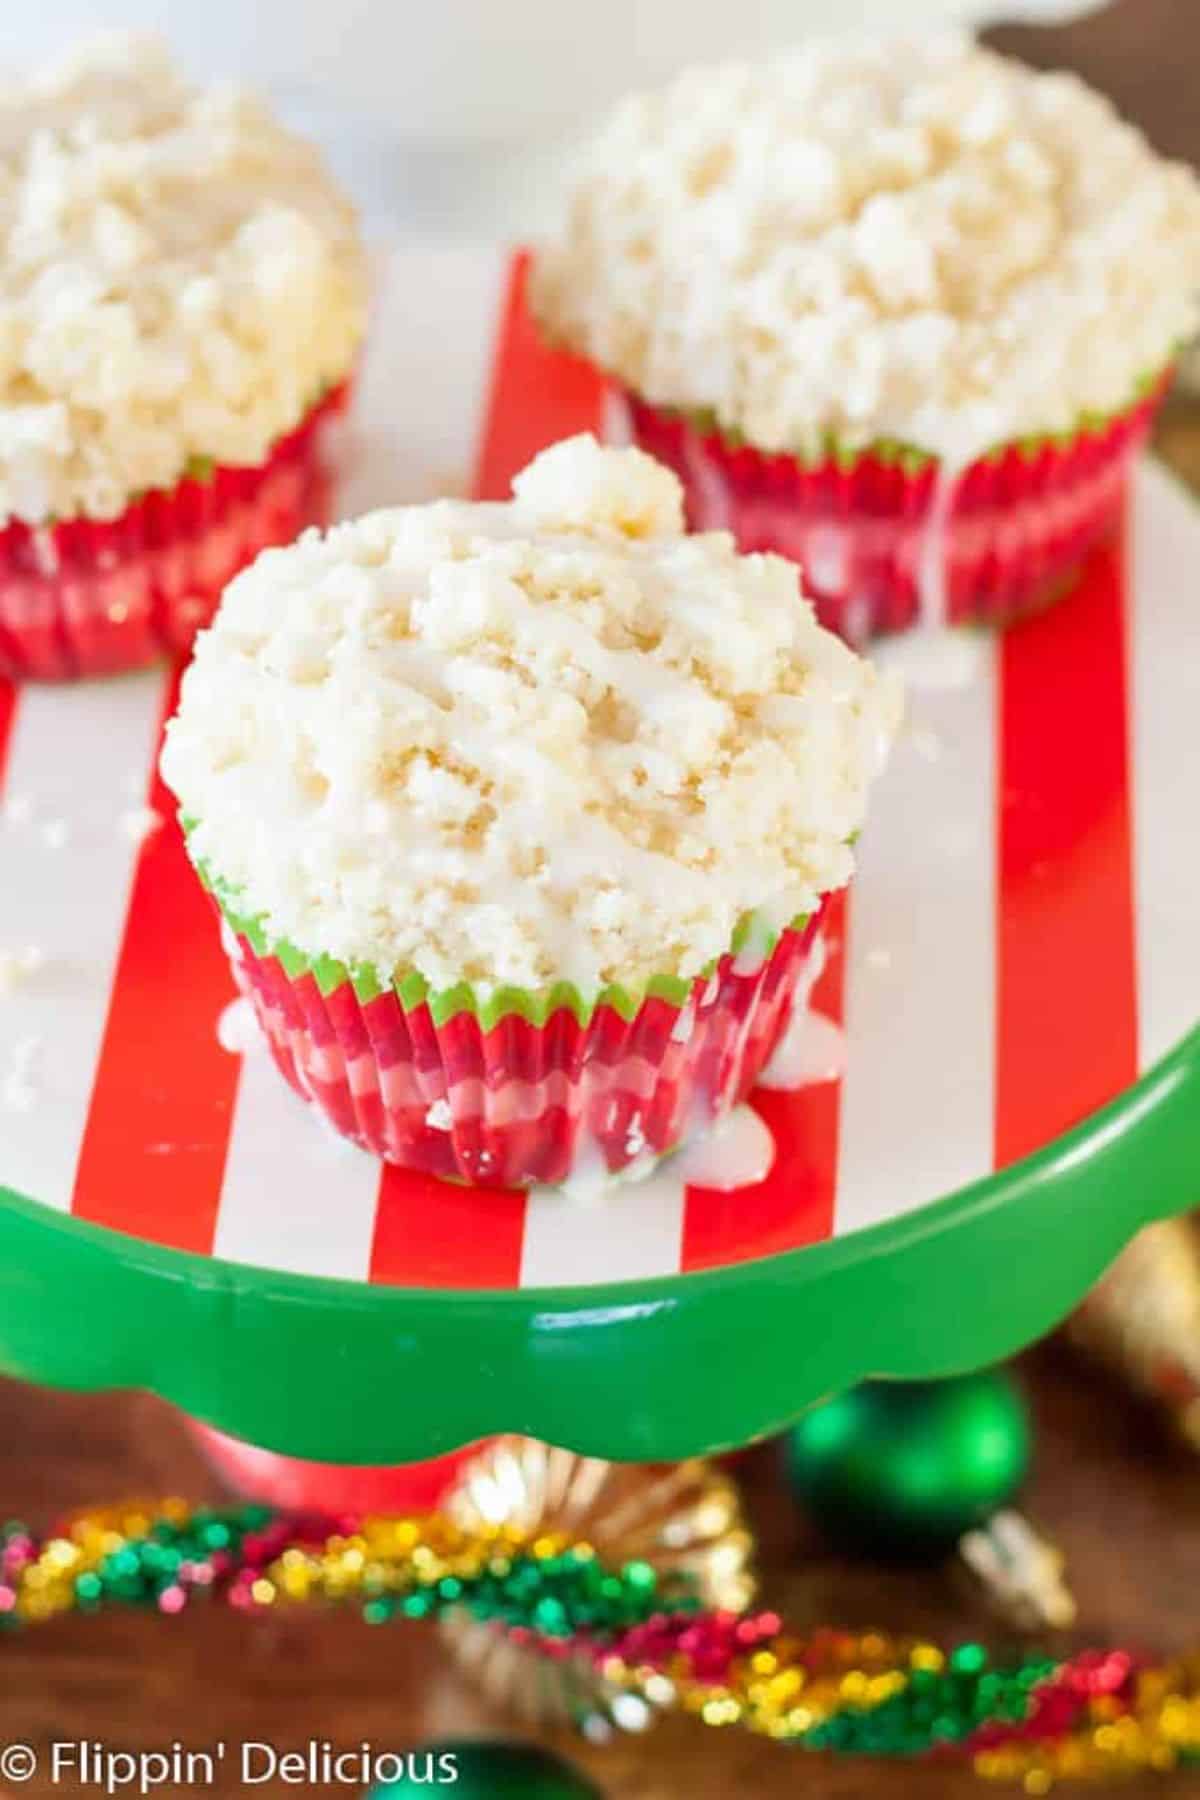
column 518, row 1087
column 92, row 597
column 1020, row 522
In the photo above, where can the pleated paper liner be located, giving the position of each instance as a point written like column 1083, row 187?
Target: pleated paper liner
column 527, row 1087
column 92, row 597
column 1020, row 523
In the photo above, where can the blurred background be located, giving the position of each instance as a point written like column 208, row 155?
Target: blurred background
column 472, row 71
column 451, row 119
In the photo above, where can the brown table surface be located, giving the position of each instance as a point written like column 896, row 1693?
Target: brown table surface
column 1123, row 1502
column 1107, row 1486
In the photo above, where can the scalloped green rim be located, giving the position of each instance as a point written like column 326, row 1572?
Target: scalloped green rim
column 413, row 990
column 641, row 1370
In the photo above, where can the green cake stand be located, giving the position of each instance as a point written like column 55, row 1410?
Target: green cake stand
column 1008, row 1018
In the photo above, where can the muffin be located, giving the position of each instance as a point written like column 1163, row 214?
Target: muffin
column 519, row 815
column 182, row 296
column 901, row 310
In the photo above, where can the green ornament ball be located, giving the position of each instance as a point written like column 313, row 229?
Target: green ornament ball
column 489, row 1769
column 905, row 1468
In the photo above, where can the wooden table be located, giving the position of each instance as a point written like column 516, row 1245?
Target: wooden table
column 1124, row 1503
column 1107, row 1486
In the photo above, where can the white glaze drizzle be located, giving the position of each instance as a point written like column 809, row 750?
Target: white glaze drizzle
column 811, row 1050
column 935, row 655
column 813, row 1046
column 21, row 1084
column 137, row 823
column 933, row 658
column 591, row 1178
column 736, row 1150
column 237, row 1028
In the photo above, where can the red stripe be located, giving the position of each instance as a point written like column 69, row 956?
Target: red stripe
column 430, row 1233
column 537, row 395
column 1066, row 1027
column 794, row 1205
column 8, row 712
column 436, row 1234
column 162, row 1079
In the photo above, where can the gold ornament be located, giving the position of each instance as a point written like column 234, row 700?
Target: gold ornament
column 1142, row 1321
column 1022, row 1574
column 685, row 1520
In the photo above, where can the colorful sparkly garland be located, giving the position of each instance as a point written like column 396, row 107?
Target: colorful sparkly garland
column 1038, row 1719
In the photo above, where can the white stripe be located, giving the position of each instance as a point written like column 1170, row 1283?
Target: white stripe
column 419, row 403
column 292, row 1197
column 295, row 1196
column 918, row 1094
column 1165, row 743
column 625, row 1233
column 79, row 759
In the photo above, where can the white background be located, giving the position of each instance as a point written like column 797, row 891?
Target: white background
column 450, row 69
column 444, row 114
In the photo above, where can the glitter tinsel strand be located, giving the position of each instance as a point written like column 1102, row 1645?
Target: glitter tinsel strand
column 1036, row 1720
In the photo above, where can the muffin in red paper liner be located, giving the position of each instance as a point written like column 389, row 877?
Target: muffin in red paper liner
column 1019, row 522
column 182, row 296
column 525, row 1086
column 520, row 817
column 900, row 310
column 91, row 597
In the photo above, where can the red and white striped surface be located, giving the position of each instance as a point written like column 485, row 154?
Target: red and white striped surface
column 1020, row 942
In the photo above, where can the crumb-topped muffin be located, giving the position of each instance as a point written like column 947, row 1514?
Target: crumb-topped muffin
column 834, row 282
column 182, row 293
column 519, row 813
